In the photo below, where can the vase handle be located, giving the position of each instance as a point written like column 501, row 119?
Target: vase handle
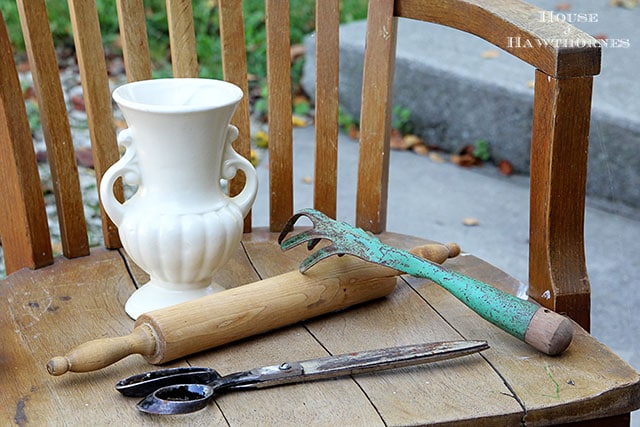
column 127, row 168
column 233, row 161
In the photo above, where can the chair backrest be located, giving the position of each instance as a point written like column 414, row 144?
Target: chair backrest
column 560, row 123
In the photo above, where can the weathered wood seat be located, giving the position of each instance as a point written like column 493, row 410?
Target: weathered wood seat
column 48, row 306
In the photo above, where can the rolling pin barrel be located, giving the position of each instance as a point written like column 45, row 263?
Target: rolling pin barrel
column 263, row 306
column 173, row 332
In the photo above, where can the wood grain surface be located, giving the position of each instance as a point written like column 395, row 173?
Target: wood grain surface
column 53, row 309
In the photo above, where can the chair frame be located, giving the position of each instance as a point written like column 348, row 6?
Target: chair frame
column 560, row 136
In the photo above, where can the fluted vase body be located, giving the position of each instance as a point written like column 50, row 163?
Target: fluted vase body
column 179, row 226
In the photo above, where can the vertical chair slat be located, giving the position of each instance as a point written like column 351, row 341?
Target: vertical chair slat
column 279, row 105
column 97, row 97
column 23, row 221
column 326, row 118
column 184, row 58
column 560, row 140
column 133, row 36
column 234, row 67
column 375, row 118
column 55, row 127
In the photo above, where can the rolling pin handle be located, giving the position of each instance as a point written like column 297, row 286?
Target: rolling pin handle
column 97, row 354
column 436, row 252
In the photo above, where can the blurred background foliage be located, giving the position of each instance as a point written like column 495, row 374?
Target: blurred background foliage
column 206, row 25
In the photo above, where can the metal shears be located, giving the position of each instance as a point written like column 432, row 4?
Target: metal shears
column 183, row 390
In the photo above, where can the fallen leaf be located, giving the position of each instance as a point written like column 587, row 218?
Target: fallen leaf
column 629, row 4
column 353, row 132
column 464, row 160
column 23, row 66
column 84, row 157
column 435, row 157
column 420, row 149
column 255, row 158
column 261, row 139
column 470, row 221
column 77, row 102
column 397, row 142
column 298, row 121
column 505, row 168
column 410, row 141
column 490, row 54
column 465, row 157
column 29, row 93
column 563, row 6
column 41, row 156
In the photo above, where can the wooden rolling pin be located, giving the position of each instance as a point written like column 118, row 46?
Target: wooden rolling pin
column 173, row 332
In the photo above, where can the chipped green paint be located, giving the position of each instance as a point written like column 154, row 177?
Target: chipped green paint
column 504, row 310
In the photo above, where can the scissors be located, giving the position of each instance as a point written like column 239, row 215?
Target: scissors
column 184, row 390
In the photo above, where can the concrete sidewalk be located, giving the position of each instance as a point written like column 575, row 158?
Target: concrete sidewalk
column 461, row 89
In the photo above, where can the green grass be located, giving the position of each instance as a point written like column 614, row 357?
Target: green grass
column 205, row 22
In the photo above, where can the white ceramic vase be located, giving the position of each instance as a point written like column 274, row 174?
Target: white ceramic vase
column 179, row 226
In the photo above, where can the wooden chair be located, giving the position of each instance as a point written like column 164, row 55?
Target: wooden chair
column 49, row 305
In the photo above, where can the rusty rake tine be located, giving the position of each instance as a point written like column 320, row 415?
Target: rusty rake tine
column 317, row 256
column 312, row 236
column 299, row 238
column 288, row 227
column 313, row 243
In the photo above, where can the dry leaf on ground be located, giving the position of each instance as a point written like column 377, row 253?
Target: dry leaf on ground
column 261, row 139
column 470, row 221
column 353, row 132
column 436, row 158
column 505, row 167
column 629, row 4
column 490, row 54
column 84, row 157
column 396, row 141
column 298, row 121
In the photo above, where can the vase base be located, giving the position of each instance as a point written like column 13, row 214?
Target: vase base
column 152, row 296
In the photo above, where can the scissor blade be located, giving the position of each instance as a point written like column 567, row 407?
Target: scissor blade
column 360, row 362
column 389, row 358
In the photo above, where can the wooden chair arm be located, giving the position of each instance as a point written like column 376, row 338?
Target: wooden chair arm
column 527, row 32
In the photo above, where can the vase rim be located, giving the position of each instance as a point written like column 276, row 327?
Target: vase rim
column 177, row 95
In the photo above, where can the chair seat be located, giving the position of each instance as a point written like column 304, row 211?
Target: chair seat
column 49, row 311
